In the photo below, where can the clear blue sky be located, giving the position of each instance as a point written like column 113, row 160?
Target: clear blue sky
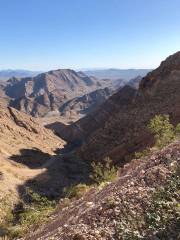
column 50, row 34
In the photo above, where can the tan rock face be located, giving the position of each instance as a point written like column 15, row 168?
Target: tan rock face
column 19, row 131
column 118, row 127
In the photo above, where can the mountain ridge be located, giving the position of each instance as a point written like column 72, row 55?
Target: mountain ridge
column 119, row 128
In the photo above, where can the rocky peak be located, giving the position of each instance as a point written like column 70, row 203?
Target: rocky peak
column 166, row 68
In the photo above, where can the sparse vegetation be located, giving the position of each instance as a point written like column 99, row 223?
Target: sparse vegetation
column 162, row 129
column 177, row 130
column 103, row 172
column 160, row 220
column 144, row 153
column 164, row 213
column 26, row 215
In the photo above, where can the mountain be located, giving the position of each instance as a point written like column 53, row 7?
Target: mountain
column 6, row 74
column 118, row 127
column 114, row 73
column 85, row 104
column 47, row 92
column 61, row 94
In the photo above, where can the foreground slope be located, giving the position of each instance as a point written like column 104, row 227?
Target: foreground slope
column 100, row 214
column 118, row 127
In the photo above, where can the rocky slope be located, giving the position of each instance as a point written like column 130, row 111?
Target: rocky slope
column 85, row 104
column 118, row 127
column 23, row 142
column 19, row 131
column 134, row 82
column 106, row 214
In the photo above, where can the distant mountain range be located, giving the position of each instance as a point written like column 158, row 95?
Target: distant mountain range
column 48, row 92
column 63, row 92
column 111, row 73
column 19, row 73
column 114, row 73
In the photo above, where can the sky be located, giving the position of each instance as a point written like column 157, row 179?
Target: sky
column 53, row 34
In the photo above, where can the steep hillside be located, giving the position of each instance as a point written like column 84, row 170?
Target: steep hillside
column 123, row 209
column 118, row 127
column 19, row 131
column 23, row 142
column 134, row 82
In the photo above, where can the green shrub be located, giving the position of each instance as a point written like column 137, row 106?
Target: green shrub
column 162, row 129
column 165, row 208
column 177, row 130
column 144, row 153
column 37, row 211
column 103, row 172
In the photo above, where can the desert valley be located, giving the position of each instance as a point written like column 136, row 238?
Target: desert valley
column 89, row 120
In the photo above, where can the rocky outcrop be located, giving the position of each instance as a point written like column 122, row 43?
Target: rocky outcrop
column 19, row 131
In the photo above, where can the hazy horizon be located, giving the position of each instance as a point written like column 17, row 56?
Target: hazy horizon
column 76, row 69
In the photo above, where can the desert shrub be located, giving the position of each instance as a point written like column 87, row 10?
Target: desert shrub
column 36, row 211
column 164, row 212
column 130, row 223
column 161, row 219
column 110, row 202
column 144, row 153
column 103, row 172
column 75, row 191
column 162, row 129
column 177, row 130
